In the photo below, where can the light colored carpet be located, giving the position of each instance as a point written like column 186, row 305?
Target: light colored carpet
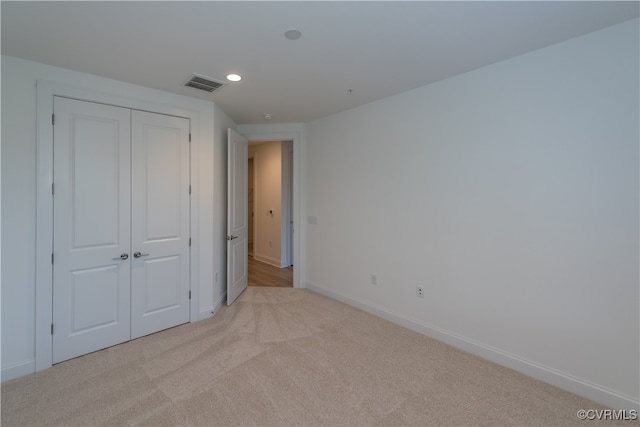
column 282, row 356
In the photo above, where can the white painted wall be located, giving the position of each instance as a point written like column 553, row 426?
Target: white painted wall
column 19, row 196
column 510, row 193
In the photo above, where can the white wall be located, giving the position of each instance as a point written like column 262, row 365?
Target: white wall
column 19, row 196
column 510, row 193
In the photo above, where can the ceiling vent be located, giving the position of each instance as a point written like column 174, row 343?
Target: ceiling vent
column 204, row 83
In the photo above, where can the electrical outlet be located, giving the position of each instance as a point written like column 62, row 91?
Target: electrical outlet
column 374, row 279
column 419, row 291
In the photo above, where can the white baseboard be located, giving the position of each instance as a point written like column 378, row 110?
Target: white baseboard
column 218, row 304
column 211, row 310
column 206, row 312
column 17, row 370
column 268, row 260
column 562, row 380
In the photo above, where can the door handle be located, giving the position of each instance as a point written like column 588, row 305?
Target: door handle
column 139, row 254
column 122, row 257
column 231, row 237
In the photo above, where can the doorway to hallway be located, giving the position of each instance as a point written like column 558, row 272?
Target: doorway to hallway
column 270, row 213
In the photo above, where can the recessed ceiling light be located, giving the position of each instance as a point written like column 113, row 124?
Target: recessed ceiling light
column 267, row 116
column 293, row 34
column 233, row 77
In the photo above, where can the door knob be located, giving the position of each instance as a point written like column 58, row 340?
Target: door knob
column 122, row 257
column 138, row 254
column 231, row 237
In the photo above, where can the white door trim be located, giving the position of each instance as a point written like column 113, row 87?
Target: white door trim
column 296, row 137
column 45, row 92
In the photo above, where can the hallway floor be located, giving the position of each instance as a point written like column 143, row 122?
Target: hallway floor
column 262, row 274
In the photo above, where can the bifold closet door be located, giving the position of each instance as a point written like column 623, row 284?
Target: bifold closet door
column 91, row 257
column 121, row 225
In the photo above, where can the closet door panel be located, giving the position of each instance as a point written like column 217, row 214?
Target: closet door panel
column 160, row 222
column 91, row 269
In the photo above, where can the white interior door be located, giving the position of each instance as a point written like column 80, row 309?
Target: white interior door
column 236, row 215
column 160, row 222
column 92, row 227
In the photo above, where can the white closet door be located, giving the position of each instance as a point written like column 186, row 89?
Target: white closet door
column 160, row 222
column 91, row 301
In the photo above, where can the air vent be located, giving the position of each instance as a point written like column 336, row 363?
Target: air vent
column 204, row 83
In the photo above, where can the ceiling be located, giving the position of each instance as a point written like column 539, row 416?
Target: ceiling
column 350, row 53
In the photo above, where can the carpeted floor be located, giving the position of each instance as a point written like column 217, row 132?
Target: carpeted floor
column 282, row 356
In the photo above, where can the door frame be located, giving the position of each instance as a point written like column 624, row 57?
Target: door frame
column 45, row 92
column 296, row 137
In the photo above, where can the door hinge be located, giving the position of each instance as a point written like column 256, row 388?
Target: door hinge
column 52, row 329
column 189, row 137
column 53, row 119
column 189, row 294
column 189, row 189
column 52, row 258
column 189, row 241
column 53, row 188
